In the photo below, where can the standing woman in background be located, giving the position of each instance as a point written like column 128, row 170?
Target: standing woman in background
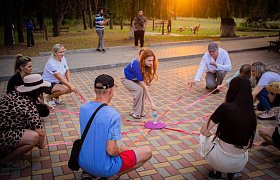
column 138, row 75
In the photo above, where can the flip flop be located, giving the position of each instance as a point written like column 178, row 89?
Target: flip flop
column 135, row 116
column 59, row 101
column 51, row 103
column 22, row 164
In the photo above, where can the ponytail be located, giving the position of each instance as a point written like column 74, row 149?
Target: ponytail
column 20, row 61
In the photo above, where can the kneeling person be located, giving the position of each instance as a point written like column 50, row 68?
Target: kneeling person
column 100, row 155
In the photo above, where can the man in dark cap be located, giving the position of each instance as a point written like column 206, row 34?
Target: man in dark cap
column 100, row 155
column 216, row 63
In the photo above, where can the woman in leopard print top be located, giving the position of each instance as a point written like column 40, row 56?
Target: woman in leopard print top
column 20, row 125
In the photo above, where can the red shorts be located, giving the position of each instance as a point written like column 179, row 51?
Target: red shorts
column 128, row 160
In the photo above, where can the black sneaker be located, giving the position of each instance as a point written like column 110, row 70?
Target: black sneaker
column 218, row 175
column 103, row 50
column 234, row 176
column 216, row 92
column 98, row 50
column 86, row 176
column 206, row 87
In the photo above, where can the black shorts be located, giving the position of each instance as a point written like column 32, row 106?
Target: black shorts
column 48, row 90
column 276, row 138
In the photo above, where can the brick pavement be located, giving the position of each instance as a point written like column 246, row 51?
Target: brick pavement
column 122, row 55
column 174, row 156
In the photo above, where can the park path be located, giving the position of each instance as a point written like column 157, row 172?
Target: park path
column 120, row 56
column 175, row 154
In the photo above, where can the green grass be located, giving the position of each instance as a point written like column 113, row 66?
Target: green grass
column 78, row 38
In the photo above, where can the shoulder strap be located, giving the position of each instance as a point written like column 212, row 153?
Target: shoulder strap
column 89, row 123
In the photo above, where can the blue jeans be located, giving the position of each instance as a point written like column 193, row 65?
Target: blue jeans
column 264, row 103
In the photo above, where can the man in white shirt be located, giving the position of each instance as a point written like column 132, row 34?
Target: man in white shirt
column 216, row 63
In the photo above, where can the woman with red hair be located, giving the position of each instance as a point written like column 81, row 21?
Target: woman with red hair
column 138, row 75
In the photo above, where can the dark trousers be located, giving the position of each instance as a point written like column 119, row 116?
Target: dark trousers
column 30, row 39
column 139, row 34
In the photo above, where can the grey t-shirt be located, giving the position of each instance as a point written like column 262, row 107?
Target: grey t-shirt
column 267, row 78
column 137, row 25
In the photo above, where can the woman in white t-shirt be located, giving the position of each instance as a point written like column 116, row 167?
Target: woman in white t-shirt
column 263, row 76
column 57, row 73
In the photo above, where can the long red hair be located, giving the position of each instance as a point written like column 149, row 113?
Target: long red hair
column 148, row 73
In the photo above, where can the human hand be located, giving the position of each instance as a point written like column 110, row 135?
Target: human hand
column 50, row 106
column 220, row 87
column 213, row 64
column 73, row 88
column 192, row 83
column 153, row 107
column 123, row 148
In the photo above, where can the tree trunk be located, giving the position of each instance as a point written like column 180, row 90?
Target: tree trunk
column 19, row 24
column 78, row 10
column 58, row 9
column 8, row 37
column 227, row 27
column 90, row 15
column 96, row 5
column 84, row 2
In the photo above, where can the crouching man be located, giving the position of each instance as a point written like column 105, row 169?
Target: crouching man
column 100, row 155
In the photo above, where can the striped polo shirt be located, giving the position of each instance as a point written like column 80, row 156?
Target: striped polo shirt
column 98, row 19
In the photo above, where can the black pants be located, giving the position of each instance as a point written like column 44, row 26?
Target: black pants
column 139, row 34
column 30, row 39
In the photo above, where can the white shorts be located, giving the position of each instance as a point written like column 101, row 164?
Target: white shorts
column 218, row 158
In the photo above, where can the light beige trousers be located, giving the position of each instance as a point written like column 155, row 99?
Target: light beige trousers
column 138, row 94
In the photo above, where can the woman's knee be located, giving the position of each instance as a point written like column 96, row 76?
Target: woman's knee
column 148, row 152
column 31, row 138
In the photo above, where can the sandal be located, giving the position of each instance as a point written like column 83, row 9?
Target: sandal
column 59, row 101
column 22, row 164
column 135, row 116
column 264, row 116
column 143, row 115
column 51, row 103
column 86, row 176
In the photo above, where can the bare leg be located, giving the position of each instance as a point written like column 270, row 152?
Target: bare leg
column 57, row 91
column 266, row 133
column 143, row 154
column 28, row 141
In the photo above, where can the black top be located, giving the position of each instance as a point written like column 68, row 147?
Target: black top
column 16, row 80
column 226, row 118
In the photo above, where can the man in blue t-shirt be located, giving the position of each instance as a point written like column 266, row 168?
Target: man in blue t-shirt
column 29, row 27
column 99, row 27
column 100, row 155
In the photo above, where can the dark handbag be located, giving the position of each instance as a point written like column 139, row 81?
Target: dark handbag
column 140, row 22
column 73, row 163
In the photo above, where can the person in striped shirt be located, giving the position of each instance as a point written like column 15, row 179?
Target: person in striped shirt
column 99, row 27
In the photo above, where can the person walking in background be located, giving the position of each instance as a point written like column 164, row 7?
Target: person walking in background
column 29, row 27
column 99, row 27
column 139, row 25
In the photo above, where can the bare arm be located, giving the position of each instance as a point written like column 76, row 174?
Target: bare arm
column 112, row 148
column 146, row 91
column 256, row 91
column 67, row 82
column 102, row 23
column 206, row 131
column 133, row 25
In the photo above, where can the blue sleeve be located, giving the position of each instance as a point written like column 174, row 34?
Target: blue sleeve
column 137, row 71
column 114, row 132
column 235, row 75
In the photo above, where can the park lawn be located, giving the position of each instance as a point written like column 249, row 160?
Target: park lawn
column 78, row 38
